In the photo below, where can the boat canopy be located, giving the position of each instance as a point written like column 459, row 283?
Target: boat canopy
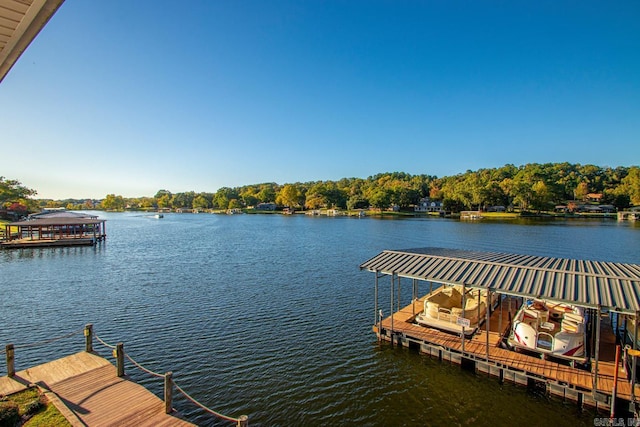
column 609, row 285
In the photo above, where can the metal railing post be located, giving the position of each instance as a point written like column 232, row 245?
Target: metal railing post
column 88, row 338
column 11, row 369
column 168, row 392
column 119, row 353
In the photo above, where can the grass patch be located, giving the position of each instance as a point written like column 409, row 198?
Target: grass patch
column 30, row 408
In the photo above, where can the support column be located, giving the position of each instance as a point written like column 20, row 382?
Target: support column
column 487, row 325
column 464, row 303
column 399, row 295
column 597, row 349
column 634, row 363
column 414, row 295
column 500, row 318
column 375, row 306
column 392, row 289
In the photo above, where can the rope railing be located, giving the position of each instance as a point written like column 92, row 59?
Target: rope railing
column 211, row 411
column 142, row 368
column 120, row 354
column 48, row 341
column 113, row 347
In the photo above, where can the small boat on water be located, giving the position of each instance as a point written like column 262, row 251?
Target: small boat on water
column 158, row 216
column 548, row 328
column 443, row 309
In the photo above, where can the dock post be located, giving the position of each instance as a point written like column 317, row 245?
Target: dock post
column 243, row 421
column 375, row 297
column 392, row 289
column 597, row 350
column 11, row 368
column 168, row 392
column 120, row 359
column 88, row 338
column 634, row 363
column 488, row 325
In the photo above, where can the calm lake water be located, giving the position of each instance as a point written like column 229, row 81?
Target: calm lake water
column 270, row 316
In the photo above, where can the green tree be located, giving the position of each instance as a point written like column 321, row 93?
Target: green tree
column 289, row 196
column 630, row 185
column 201, row 202
column 12, row 190
column 164, row 201
column 113, row 202
column 581, row 191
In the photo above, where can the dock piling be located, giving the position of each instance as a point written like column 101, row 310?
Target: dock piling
column 168, row 392
column 88, row 338
column 119, row 353
column 11, row 369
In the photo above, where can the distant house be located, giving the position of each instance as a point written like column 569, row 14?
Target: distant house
column 266, row 207
column 593, row 197
column 428, row 205
column 496, row 209
column 608, row 208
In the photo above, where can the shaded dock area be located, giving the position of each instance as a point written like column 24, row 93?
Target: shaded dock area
column 485, row 352
column 87, row 391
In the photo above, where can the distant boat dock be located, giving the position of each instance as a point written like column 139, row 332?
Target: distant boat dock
column 90, row 391
column 609, row 292
column 53, row 229
column 629, row 215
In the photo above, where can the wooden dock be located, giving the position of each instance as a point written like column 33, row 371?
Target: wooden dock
column 523, row 368
column 47, row 243
column 87, row 391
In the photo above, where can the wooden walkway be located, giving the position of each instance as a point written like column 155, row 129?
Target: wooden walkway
column 86, row 389
column 547, row 370
column 47, row 243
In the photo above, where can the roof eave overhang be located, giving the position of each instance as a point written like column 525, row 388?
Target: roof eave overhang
column 33, row 20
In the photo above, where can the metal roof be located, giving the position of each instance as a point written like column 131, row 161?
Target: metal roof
column 47, row 222
column 20, row 23
column 579, row 282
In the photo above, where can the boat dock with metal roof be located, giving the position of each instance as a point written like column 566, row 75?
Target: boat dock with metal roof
column 609, row 292
column 54, row 228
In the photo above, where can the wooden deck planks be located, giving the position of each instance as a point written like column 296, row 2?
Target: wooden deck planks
column 88, row 385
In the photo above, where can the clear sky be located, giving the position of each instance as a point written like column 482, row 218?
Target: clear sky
column 129, row 97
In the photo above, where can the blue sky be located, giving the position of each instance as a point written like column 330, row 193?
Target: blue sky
column 129, row 97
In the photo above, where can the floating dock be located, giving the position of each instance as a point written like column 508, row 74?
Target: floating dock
column 608, row 291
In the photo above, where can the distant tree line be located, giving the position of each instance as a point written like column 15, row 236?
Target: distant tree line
column 532, row 186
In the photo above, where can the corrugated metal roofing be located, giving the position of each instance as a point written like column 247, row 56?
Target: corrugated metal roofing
column 580, row 282
column 45, row 222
